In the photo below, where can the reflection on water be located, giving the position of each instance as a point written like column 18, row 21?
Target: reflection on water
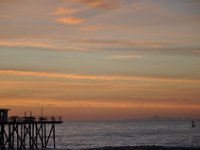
column 76, row 135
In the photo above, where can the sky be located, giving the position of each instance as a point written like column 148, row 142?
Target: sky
column 100, row 59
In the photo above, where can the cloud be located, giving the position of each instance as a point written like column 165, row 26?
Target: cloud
column 96, row 45
column 36, row 44
column 24, row 43
column 146, row 7
column 90, row 28
column 101, row 4
column 70, row 20
column 192, row 2
column 97, row 104
column 64, row 11
column 146, row 44
column 123, row 57
column 99, row 77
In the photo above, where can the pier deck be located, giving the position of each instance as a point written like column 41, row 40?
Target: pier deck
column 34, row 119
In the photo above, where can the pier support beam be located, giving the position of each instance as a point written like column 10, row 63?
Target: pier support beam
column 23, row 134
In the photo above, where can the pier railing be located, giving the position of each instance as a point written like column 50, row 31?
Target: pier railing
column 35, row 119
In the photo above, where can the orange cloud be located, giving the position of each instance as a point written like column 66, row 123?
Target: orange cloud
column 48, row 45
column 96, row 104
column 102, row 4
column 62, row 11
column 99, row 77
column 24, row 43
column 70, row 20
column 97, row 110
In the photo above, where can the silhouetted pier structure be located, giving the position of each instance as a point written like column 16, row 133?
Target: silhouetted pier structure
column 28, row 132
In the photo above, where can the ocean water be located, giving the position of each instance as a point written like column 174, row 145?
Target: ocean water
column 77, row 135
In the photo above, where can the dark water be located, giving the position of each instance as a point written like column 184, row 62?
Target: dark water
column 77, row 135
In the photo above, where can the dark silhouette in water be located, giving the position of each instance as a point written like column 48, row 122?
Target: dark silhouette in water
column 193, row 125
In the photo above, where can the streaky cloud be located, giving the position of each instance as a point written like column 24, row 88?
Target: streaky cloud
column 103, row 45
column 148, row 44
column 124, row 57
column 90, row 28
column 97, row 104
column 98, row 77
column 38, row 44
column 101, row 4
column 25, row 43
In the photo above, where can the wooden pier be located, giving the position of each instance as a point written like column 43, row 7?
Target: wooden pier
column 28, row 132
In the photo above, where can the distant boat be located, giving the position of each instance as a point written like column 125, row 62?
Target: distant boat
column 193, row 125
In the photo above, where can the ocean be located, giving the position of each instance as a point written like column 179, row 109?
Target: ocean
column 82, row 135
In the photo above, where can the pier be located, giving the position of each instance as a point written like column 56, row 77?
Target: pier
column 27, row 132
